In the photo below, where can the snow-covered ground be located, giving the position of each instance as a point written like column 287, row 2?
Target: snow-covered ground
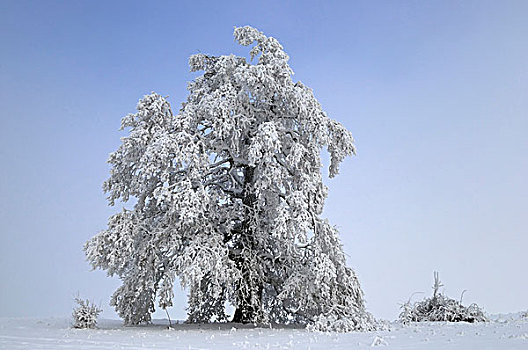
column 504, row 332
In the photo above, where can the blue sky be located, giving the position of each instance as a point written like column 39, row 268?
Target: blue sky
column 435, row 93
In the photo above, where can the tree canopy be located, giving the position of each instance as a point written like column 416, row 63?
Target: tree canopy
column 227, row 197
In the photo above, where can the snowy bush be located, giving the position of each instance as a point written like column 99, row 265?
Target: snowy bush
column 85, row 314
column 440, row 308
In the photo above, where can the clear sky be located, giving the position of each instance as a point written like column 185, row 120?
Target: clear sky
column 435, row 93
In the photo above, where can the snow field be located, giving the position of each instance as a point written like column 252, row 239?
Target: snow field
column 23, row 333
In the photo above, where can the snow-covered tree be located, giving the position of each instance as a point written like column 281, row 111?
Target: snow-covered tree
column 228, row 199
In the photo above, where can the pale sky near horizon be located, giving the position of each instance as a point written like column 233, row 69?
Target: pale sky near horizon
column 435, row 93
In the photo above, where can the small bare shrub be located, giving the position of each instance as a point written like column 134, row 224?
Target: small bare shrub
column 440, row 308
column 85, row 314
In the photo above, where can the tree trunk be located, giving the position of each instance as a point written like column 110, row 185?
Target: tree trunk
column 248, row 307
column 246, row 312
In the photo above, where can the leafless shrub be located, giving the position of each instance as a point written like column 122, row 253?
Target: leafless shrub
column 440, row 308
column 85, row 314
